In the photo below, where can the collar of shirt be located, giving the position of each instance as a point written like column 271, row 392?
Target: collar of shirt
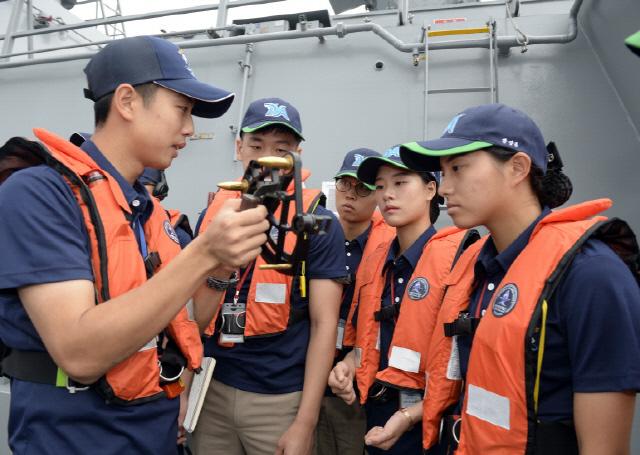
column 137, row 196
column 491, row 263
column 361, row 240
column 412, row 255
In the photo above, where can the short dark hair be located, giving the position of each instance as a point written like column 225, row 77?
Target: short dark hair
column 275, row 128
column 434, row 205
column 552, row 188
column 102, row 106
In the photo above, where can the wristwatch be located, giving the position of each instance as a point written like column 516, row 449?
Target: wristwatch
column 222, row 285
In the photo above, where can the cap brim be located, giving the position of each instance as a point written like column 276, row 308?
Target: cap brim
column 368, row 169
column 633, row 43
column 259, row 126
column 210, row 101
column 425, row 156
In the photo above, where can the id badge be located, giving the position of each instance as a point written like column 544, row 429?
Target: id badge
column 409, row 397
column 233, row 320
column 340, row 337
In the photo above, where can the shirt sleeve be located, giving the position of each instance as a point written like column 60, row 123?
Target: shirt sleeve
column 326, row 252
column 196, row 231
column 42, row 234
column 600, row 308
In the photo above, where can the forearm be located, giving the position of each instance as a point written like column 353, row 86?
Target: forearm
column 319, row 360
column 100, row 336
column 205, row 305
column 415, row 412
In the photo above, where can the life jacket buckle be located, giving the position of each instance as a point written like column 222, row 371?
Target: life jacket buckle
column 172, row 378
column 73, row 388
column 465, row 324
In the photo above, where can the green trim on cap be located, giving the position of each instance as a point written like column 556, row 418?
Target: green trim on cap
column 246, row 129
column 472, row 147
column 633, row 40
column 380, row 160
column 391, row 162
column 355, row 176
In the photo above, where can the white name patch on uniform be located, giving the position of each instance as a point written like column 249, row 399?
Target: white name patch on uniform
column 271, row 293
column 488, row 406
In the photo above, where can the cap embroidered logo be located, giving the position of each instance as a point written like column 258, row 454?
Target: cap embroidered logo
column 357, row 160
column 452, row 124
column 392, row 152
column 186, row 62
column 276, row 110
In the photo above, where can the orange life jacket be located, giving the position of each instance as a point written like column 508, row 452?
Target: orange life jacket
column 381, row 233
column 418, row 309
column 118, row 266
column 269, row 310
column 502, row 382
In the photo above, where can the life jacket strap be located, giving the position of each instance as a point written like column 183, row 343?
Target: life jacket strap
column 387, row 313
column 39, row 367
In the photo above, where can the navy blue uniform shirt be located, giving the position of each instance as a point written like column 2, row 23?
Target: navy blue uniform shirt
column 43, row 240
column 593, row 323
column 275, row 364
column 353, row 250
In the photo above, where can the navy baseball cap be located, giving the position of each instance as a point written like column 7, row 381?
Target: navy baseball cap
column 368, row 170
column 633, row 43
column 477, row 128
column 144, row 59
column 271, row 111
column 352, row 162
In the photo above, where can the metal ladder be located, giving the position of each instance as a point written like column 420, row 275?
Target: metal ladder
column 490, row 30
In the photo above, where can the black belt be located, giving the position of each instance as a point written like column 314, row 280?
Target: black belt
column 37, row 366
column 380, row 393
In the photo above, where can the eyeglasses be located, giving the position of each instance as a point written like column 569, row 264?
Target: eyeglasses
column 344, row 185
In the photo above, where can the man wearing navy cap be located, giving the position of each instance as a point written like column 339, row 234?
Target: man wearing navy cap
column 95, row 273
column 341, row 427
column 268, row 384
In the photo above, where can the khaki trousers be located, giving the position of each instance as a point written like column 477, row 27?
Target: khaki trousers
column 341, row 428
column 235, row 422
